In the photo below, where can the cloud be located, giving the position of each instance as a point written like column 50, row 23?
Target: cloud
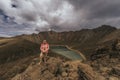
column 58, row 15
column 98, row 11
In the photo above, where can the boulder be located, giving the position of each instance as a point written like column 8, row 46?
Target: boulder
column 113, row 78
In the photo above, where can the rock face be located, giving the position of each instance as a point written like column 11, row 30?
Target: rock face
column 107, row 67
column 116, row 70
column 57, row 69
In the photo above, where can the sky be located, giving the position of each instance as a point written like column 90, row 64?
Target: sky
column 32, row 16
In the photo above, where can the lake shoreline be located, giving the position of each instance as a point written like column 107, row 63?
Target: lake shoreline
column 73, row 50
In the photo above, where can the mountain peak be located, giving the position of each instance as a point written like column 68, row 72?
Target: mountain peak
column 105, row 27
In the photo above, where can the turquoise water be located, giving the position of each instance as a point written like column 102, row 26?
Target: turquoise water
column 64, row 51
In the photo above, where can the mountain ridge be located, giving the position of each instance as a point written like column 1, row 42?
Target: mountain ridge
column 95, row 44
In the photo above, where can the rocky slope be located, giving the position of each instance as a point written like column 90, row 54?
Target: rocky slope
column 11, row 68
column 106, row 60
column 107, row 67
column 57, row 69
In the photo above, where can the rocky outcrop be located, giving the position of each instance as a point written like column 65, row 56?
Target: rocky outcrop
column 107, row 67
column 57, row 69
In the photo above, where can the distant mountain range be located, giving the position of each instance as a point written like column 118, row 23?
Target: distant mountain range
column 85, row 40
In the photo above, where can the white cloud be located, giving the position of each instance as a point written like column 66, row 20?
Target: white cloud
column 58, row 14
column 41, row 12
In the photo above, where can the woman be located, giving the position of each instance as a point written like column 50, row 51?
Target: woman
column 44, row 51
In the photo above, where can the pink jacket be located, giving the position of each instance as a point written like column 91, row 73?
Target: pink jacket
column 44, row 47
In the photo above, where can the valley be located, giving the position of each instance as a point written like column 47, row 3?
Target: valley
column 100, row 46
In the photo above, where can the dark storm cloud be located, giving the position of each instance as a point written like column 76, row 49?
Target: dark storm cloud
column 98, row 8
column 29, row 16
column 78, row 4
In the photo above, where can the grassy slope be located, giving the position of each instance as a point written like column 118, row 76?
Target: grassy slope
column 16, row 48
column 15, row 55
column 10, row 69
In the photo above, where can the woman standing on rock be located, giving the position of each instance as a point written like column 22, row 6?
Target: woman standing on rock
column 44, row 51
